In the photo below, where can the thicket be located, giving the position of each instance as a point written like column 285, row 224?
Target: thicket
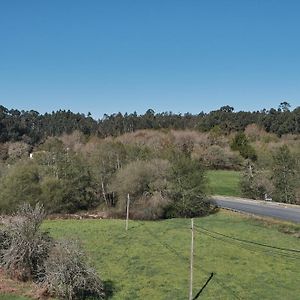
column 279, row 178
column 67, row 274
column 25, row 247
column 75, row 172
column 29, row 254
column 147, row 183
column 71, row 173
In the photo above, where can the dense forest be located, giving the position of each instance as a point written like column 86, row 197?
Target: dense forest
column 32, row 127
column 71, row 162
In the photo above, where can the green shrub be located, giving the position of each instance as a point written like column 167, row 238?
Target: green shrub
column 241, row 143
column 285, row 175
column 20, row 184
column 187, row 189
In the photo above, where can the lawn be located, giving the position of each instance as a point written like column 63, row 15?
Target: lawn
column 151, row 260
column 223, row 182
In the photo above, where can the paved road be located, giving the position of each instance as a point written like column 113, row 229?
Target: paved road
column 261, row 208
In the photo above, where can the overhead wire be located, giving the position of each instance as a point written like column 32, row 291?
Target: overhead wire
column 206, row 272
column 249, row 247
column 250, row 242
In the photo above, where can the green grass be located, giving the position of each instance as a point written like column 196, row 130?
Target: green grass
column 222, row 182
column 151, row 260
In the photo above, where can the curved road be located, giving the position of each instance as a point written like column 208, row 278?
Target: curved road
column 281, row 211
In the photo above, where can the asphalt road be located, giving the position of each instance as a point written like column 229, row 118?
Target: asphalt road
column 261, row 208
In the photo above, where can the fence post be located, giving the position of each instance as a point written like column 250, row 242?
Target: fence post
column 127, row 212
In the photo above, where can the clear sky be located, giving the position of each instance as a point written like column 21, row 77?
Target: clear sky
column 168, row 55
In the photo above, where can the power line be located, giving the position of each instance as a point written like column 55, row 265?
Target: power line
column 250, row 242
column 223, row 285
column 167, row 246
column 220, row 283
column 248, row 247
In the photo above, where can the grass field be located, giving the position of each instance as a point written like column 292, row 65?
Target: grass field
column 222, row 182
column 151, row 260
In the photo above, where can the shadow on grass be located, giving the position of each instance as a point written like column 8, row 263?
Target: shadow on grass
column 109, row 288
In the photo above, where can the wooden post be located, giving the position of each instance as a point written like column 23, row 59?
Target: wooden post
column 192, row 261
column 127, row 211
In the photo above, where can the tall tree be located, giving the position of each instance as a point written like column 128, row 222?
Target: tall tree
column 284, row 175
column 187, row 188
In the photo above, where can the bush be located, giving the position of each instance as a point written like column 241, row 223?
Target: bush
column 4, row 243
column 146, row 182
column 27, row 253
column 20, row 184
column 241, row 143
column 187, row 189
column 67, row 274
column 255, row 184
column 28, row 247
column 61, row 182
column 216, row 157
column 18, row 150
column 150, row 207
column 188, row 208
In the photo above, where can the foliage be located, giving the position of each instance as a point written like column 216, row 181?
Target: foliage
column 18, row 125
column 28, row 246
column 79, row 171
column 18, row 150
column 29, row 253
column 21, row 184
column 220, row 158
column 187, row 189
column 67, row 274
column 3, row 151
column 104, row 161
column 146, row 182
column 255, row 183
column 61, row 181
column 284, row 175
column 240, row 143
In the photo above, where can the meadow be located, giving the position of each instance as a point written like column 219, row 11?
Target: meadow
column 151, row 259
column 224, row 182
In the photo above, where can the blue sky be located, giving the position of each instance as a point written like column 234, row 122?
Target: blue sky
column 168, row 55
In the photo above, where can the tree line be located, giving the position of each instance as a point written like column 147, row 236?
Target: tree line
column 32, row 127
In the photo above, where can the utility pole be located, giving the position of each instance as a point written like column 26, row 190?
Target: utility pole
column 127, row 211
column 192, row 261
